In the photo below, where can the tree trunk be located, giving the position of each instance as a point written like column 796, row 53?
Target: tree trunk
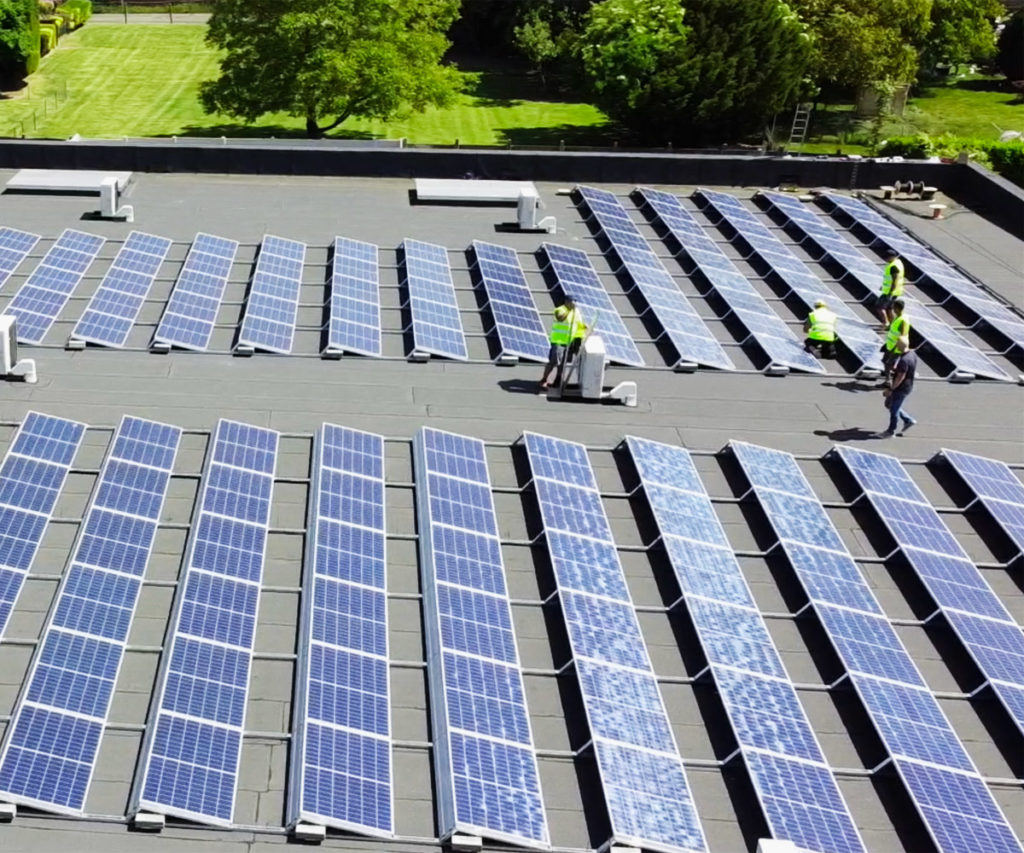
column 313, row 130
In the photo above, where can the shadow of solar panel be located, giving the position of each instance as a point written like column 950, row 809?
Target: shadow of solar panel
column 354, row 321
column 114, row 307
column 190, row 755
column 340, row 769
column 682, row 325
column 517, row 323
column 46, row 291
column 71, row 681
column 628, row 723
column 484, row 760
column 15, row 246
column 191, row 312
column 431, row 300
column 273, row 303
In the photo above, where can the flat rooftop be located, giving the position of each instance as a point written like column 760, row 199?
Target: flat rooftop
column 804, row 414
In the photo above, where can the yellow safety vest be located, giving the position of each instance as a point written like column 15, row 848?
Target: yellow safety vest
column 823, row 325
column 892, row 279
column 898, row 328
column 560, row 332
column 577, row 327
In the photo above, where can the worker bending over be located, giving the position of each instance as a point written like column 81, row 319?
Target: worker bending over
column 568, row 330
column 893, row 279
column 820, row 328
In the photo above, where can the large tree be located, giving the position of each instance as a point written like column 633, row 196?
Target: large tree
column 1010, row 55
column 327, row 60
column 713, row 73
column 19, row 38
column 962, row 31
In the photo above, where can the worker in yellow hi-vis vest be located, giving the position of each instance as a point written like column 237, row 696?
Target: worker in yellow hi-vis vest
column 567, row 331
column 893, row 279
column 820, row 328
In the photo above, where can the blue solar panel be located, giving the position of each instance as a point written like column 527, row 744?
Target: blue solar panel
column 189, row 762
column 997, row 489
column 46, row 291
column 517, row 323
column 32, row 475
column 273, row 303
column 354, row 323
column 578, row 279
column 341, row 772
column 486, row 767
column 71, row 681
column 114, row 307
column 646, row 791
column 682, row 325
column 432, row 303
column 14, row 248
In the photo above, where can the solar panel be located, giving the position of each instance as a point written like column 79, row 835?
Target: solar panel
column 645, row 788
column 114, row 307
column 273, row 303
column 905, row 714
column 682, row 326
column 40, row 300
column 432, row 303
column 976, row 614
column 484, row 760
column 354, row 323
column 191, row 311
column 341, row 772
column 763, row 708
column 15, row 246
column 955, row 284
column 32, row 475
column 517, row 323
column 71, row 681
column 190, row 756
column 578, row 280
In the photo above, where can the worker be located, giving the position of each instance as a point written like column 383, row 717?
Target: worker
column 904, row 372
column 898, row 328
column 893, row 279
column 566, row 332
column 820, row 328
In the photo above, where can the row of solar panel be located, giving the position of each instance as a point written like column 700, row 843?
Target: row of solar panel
column 488, row 780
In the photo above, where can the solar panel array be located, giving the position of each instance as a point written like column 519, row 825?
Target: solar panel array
column 31, row 478
column 976, row 614
column 517, row 324
column 767, row 329
column 50, row 747
column 771, row 727
column 15, row 246
column 273, row 303
column 354, row 320
column 645, row 787
column 40, row 300
column 484, row 760
column 433, row 305
column 191, row 312
column 114, row 307
column 955, row 284
column 577, row 279
column 952, row 799
column 681, row 323
column 866, row 277
column 190, row 758
column 341, row 742
column 997, row 489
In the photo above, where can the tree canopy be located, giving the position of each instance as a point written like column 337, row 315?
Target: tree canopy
column 716, row 71
column 961, row 31
column 19, row 37
column 327, row 60
column 1010, row 56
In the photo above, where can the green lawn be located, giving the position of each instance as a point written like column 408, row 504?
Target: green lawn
column 142, row 80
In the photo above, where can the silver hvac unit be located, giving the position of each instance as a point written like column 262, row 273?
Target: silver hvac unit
column 10, row 366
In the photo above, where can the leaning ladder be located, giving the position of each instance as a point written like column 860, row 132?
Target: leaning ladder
column 801, row 122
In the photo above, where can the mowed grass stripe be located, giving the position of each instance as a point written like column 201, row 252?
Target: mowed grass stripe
column 143, row 80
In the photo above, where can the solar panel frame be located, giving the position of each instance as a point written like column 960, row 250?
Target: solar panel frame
column 79, row 631
column 273, row 302
column 469, row 677
column 995, row 487
column 48, row 288
column 435, row 320
column 340, row 456
column 355, row 277
column 238, row 454
column 15, row 246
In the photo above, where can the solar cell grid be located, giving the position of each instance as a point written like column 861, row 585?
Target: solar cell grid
column 997, row 489
column 14, row 248
column 354, row 319
column 517, row 323
column 433, row 307
column 273, row 301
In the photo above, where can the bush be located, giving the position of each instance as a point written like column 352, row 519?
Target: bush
column 50, row 32
column 914, row 147
column 47, row 40
column 1005, row 158
column 82, row 10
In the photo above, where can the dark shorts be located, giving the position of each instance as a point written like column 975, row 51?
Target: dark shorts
column 883, row 303
column 555, row 354
column 826, row 347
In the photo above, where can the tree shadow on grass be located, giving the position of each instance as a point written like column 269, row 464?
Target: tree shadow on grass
column 267, row 131
column 510, row 88
column 569, row 135
column 994, row 85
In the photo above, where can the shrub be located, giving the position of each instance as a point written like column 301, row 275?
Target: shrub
column 50, row 31
column 1005, row 158
column 47, row 40
column 915, row 147
column 82, row 10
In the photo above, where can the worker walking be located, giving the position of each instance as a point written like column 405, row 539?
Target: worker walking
column 566, row 332
column 820, row 328
column 893, row 279
column 899, row 327
column 904, row 372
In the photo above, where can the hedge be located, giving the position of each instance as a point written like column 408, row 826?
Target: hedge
column 1005, row 158
column 82, row 10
